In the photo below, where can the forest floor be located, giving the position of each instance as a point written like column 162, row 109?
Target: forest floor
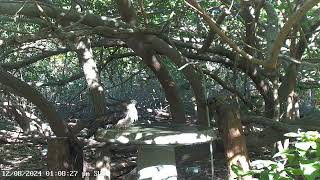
column 19, row 152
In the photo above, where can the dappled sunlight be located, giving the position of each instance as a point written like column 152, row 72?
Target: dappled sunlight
column 68, row 68
column 156, row 143
column 103, row 165
column 184, row 138
column 157, row 135
column 62, row 14
column 235, row 132
column 167, row 172
column 89, row 66
column 122, row 139
column 236, row 150
column 264, row 86
column 255, row 72
column 155, row 63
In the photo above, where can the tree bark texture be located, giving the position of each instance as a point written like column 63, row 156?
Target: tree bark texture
column 91, row 73
column 50, row 113
column 147, row 54
column 189, row 70
column 230, row 130
column 48, row 110
column 64, row 157
column 127, row 11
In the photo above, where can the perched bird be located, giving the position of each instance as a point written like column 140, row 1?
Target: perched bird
column 131, row 115
column 121, row 116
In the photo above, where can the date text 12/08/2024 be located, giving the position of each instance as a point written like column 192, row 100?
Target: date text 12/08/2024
column 50, row 173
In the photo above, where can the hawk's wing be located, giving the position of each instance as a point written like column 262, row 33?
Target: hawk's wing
column 131, row 117
column 123, row 123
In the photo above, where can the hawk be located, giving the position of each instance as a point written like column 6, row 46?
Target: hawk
column 131, row 115
column 121, row 117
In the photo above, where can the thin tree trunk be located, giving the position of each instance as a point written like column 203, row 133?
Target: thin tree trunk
column 166, row 81
column 190, row 71
column 90, row 70
column 287, row 94
column 96, row 92
column 230, row 129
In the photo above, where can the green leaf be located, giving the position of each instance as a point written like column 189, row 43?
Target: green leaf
column 309, row 169
column 293, row 171
column 265, row 175
column 318, row 150
column 237, row 169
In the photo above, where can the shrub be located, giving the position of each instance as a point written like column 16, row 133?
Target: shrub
column 300, row 159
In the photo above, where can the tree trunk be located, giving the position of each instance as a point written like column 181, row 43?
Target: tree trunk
column 230, row 130
column 96, row 92
column 127, row 11
column 287, row 94
column 15, row 113
column 53, row 117
column 168, row 84
column 21, row 88
column 91, row 73
column 64, row 158
column 269, row 106
column 275, row 97
column 190, row 71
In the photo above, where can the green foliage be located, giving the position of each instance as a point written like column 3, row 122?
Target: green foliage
column 301, row 159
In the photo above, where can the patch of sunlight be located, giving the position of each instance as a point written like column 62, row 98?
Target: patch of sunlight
column 100, row 88
column 123, row 139
column 159, row 172
column 184, row 138
column 257, row 129
column 62, row 14
column 148, row 141
column 38, row 84
column 78, row 8
column 104, row 18
column 18, row 160
column 138, row 136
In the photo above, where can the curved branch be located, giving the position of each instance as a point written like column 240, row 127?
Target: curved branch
column 282, row 35
column 30, row 9
column 21, row 88
column 213, row 26
column 64, row 81
column 169, row 86
column 30, row 60
column 194, row 77
column 127, row 11
column 211, row 34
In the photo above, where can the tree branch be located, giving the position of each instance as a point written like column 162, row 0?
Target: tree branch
column 30, row 60
column 49, row 111
column 194, row 5
column 232, row 90
column 282, row 35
